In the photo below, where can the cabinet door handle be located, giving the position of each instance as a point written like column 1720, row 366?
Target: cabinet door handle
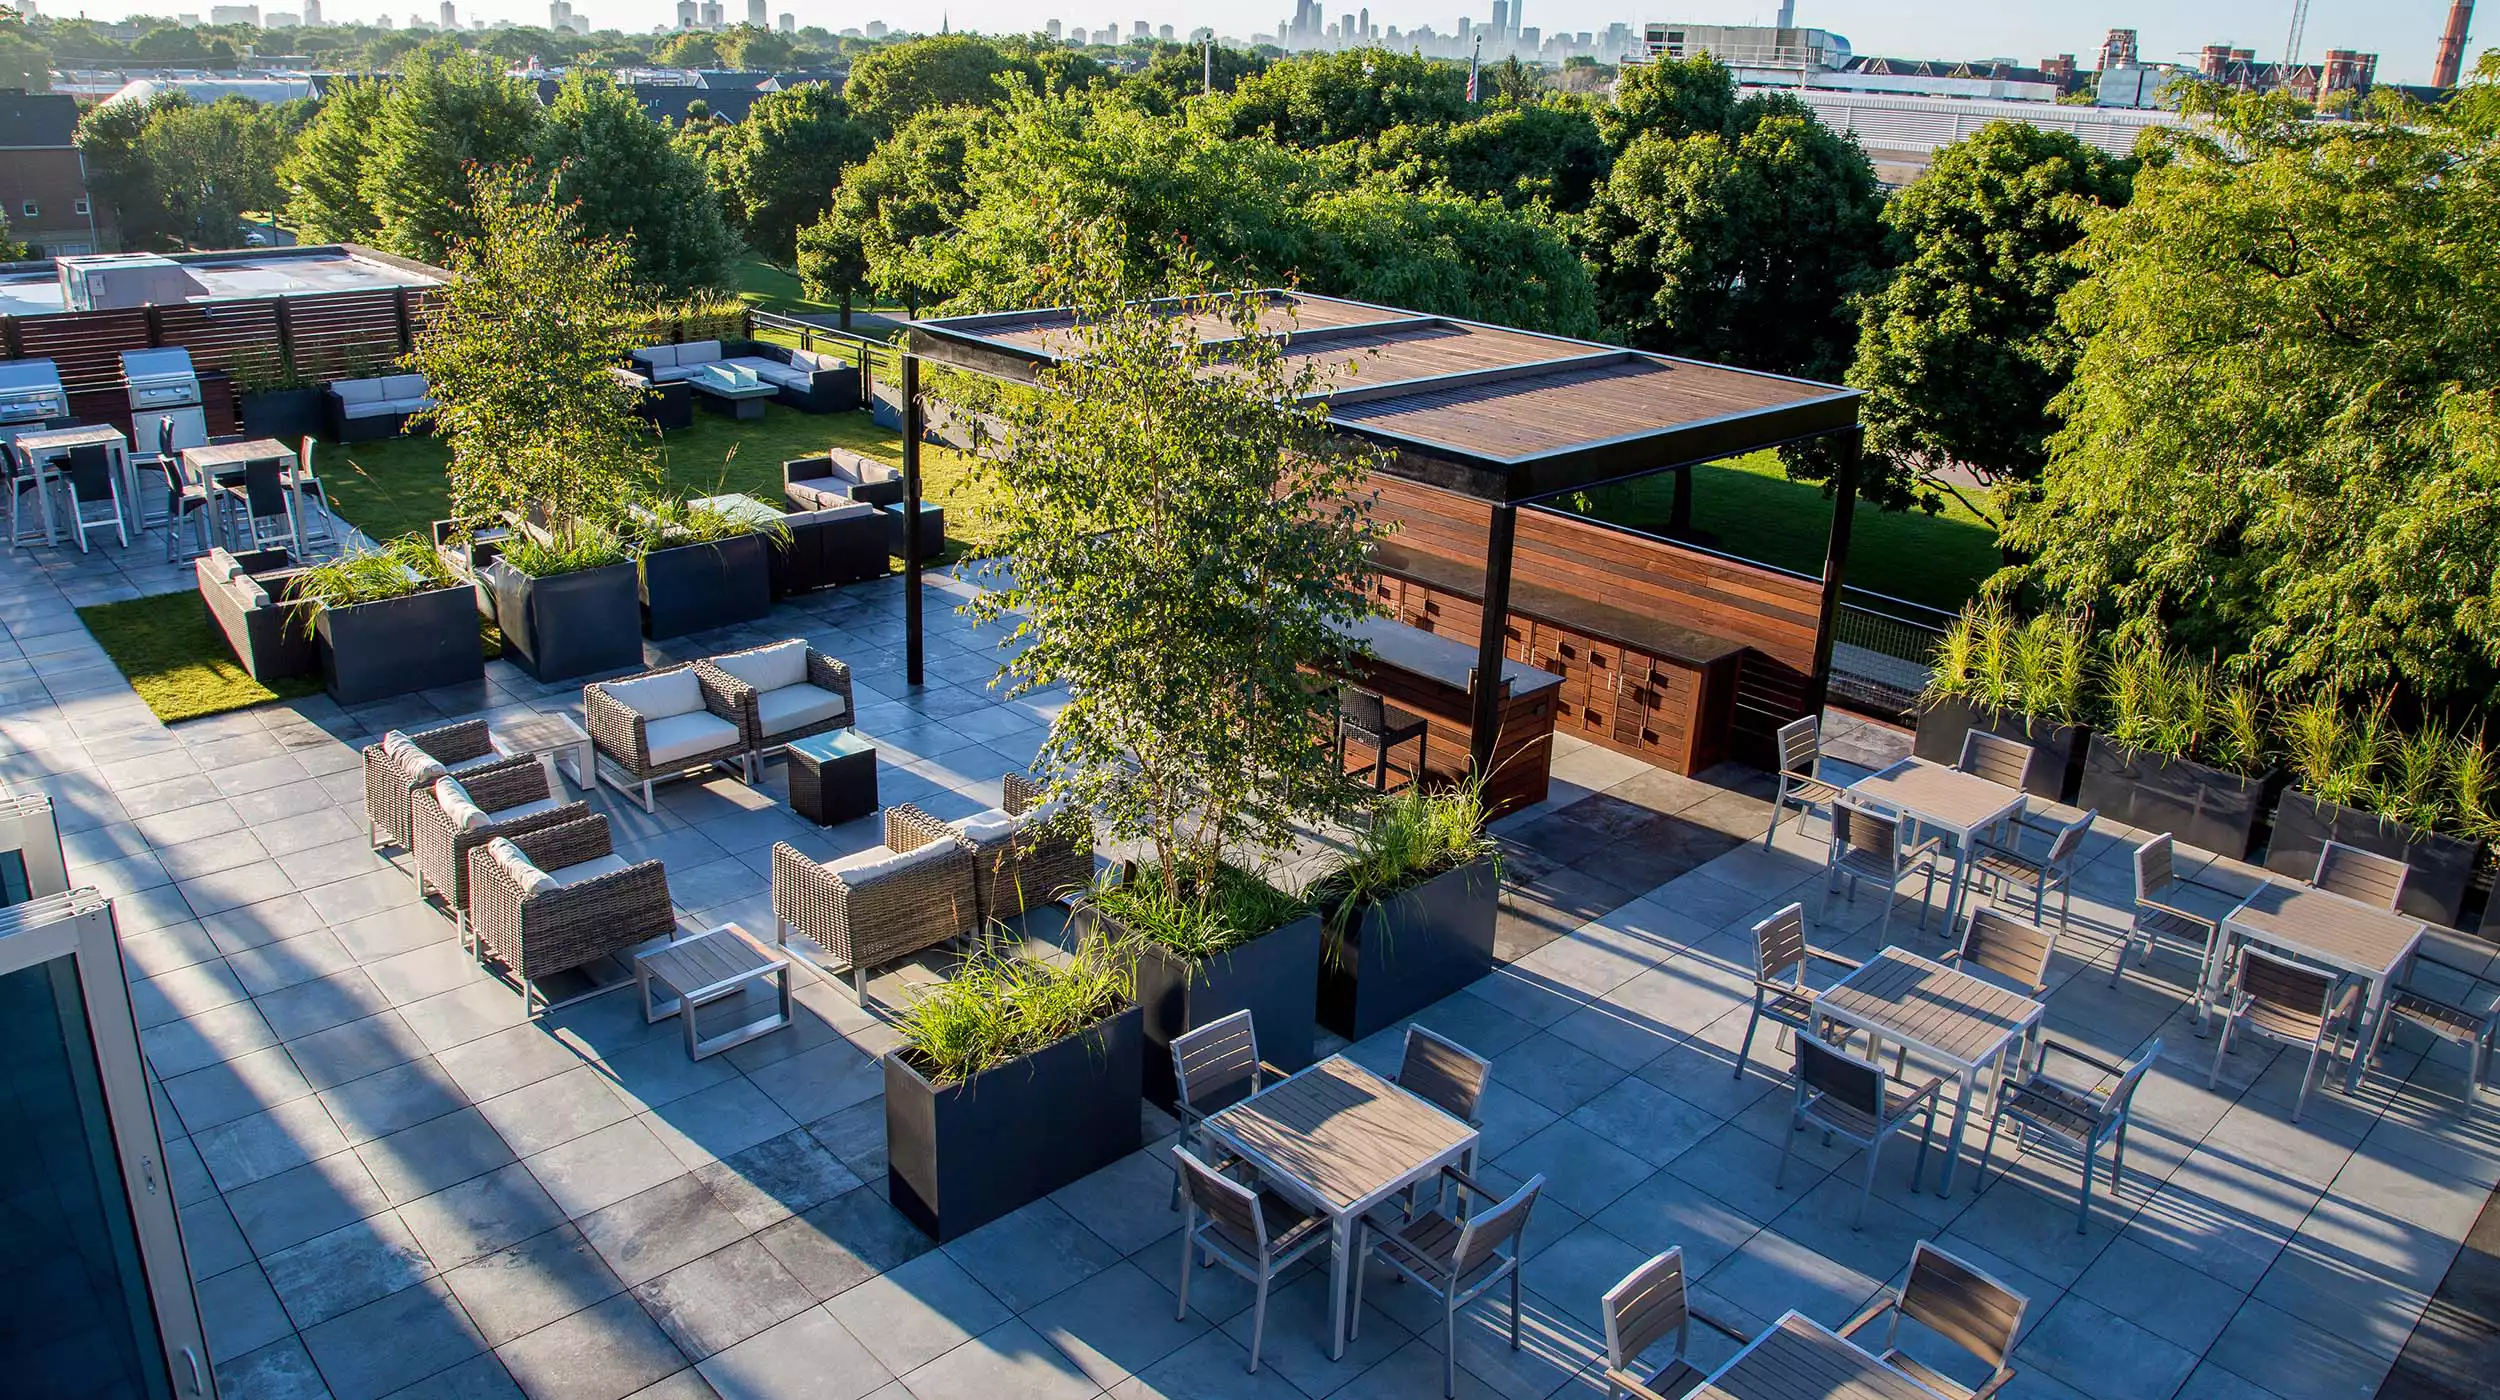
column 199, row 1383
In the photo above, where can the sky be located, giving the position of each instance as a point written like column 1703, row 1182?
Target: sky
column 2404, row 33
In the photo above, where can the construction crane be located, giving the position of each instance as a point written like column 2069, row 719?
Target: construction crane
column 2291, row 43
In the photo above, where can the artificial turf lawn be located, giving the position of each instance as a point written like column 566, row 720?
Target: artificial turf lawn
column 177, row 660
column 1754, row 511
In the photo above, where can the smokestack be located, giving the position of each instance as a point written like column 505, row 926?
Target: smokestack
column 2451, row 61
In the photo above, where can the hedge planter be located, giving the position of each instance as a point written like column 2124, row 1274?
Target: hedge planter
column 2212, row 809
column 570, row 624
column 959, row 1156
column 289, row 415
column 370, row 651
column 1274, row 977
column 695, row 587
column 1409, row 951
column 2442, row 866
column 2055, row 771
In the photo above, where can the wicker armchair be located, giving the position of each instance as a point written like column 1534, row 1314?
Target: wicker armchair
column 662, row 723
column 512, row 793
column 601, row 906
column 1021, row 863
column 788, row 690
column 875, row 907
column 457, row 747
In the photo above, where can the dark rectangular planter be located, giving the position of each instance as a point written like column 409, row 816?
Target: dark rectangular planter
column 1274, row 977
column 375, row 650
column 1409, row 951
column 959, row 1156
column 2205, row 807
column 2442, row 866
column 289, row 415
column 571, row 624
column 695, row 587
column 2056, row 769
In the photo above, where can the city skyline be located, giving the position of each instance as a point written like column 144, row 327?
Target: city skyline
column 2403, row 32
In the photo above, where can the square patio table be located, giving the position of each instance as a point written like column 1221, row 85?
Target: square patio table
column 2327, row 929
column 48, row 449
column 1341, row 1141
column 711, row 967
column 547, row 738
column 1798, row 1358
column 1951, row 801
column 1944, row 1014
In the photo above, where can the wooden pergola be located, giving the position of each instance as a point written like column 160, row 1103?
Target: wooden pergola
column 1497, row 416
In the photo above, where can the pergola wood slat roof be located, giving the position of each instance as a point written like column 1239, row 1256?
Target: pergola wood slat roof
column 1494, row 413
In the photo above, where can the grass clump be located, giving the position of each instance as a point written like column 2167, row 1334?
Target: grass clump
column 1414, row 836
column 177, row 660
column 541, row 555
column 999, row 1006
column 395, row 569
column 1201, row 919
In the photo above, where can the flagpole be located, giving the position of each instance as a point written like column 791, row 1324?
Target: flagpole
column 1473, row 59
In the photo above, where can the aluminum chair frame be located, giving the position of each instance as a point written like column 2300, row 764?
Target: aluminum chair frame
column 1451, row 1078
column 1823, row 1073
column 1206, row 1061
column 1997, row 942
column 23, row 480
column 1781, row 950
column 322, row 526
column 1996, row 758
column 1474, row 1264
column 1800, row 777
column 87, row 460
column 1971, row 1297
column 264, row 483
column 1848, row 858
column 1651, row 1302
column 2365, row 877
column 2451, row 1021
column 2278, row 1009
column 2082, row 1118
column 2011, row 868
column 2158, row 918
column 1218, row 1241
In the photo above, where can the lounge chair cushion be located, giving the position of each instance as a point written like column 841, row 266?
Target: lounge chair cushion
column 820, row 493
column 768, row 668
column 415, row 764
column 658, row 356
column 696, row 353
column 795, row 707
column 678, row 738
column 846, row 509
column 658, row 697
column 463, row 814
column 878, row 862
column 527, row 877
column 406, row 386
column 352, row 392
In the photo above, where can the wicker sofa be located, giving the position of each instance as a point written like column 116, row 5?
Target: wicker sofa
column 784, row 691
column 504, row 798
column 1025, row 851
column 838, row 478
column 820, row 547
column 668, row 406
column 247, row 597
column 666, row 722
column 402, row 763
column 569, row 902
column 801, row 379
column 886, row 903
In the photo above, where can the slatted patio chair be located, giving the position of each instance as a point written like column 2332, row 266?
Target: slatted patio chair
column 94, row 485
column 2298, row 1005
column 2359, row 875
column 1456, row 1260
column 2162, row 916
column 1999, row 760
column 1450, row 1077
column 1256, row 1234
column 1801, row 766
column 1849, row 1097
column 1781, row 955
column 1645, row 1309
column 1214, row 1067
column 1958, row 1303
column 2006, row 866
column 2077, row 1112
column 1868, row 845
column 2016, row 952
column 2470, row 1019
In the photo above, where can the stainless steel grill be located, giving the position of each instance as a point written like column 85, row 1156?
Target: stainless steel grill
column 30, row 393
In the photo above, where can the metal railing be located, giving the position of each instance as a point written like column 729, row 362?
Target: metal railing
column 1880, row 650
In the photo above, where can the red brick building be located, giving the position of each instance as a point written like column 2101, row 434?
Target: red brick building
column 43, row 179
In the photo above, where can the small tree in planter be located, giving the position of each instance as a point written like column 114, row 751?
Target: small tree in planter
column 2429, row 798
column 390, row 621
column 701, row 568
column 1410, row 910
column 2177, row 750
column 518, row 358
column 2023, row 681
column 1013, row 1079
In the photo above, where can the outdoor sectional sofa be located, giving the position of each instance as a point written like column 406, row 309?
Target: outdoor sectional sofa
column 364, row 410
column 667, row 407
column 839, row 478
column 802, row 379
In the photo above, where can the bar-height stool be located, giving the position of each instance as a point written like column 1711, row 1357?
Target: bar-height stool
column 187, row 501
column 261, row 499
column 1382, row 726
column 92, row 483
column 315, row 524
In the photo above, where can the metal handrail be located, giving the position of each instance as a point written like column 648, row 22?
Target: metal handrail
column 867, row 348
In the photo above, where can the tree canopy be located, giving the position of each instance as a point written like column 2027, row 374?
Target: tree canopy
column 1351, row 95
column 779, row 167
column 1548, row 152
column 891, row 85
column 325, row 174
column 1673, row 97
column 599, row 149
column 449, row 111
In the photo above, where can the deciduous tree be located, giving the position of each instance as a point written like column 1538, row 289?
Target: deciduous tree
column 601, row 151
column 448, row 111
column 779, row 167
column 889, row 86
column 1673, row 97
column 324, row 175
column 1352, row 95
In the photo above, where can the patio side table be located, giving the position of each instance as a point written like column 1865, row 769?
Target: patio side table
column 547, row 738
column 711, row 966
column 833, row 777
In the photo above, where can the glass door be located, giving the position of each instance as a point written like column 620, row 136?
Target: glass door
column 100, row 1301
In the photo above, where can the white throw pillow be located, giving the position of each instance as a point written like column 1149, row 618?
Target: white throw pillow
column 413, row 763
column 464, row 814
column 528, row 877
column 984, row 828
column 768, row 668
column 879, row 861
column 657, row 697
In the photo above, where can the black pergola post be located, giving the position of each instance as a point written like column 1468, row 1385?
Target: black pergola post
column 1485, row 724
column 1835, row 564
column 911, row 520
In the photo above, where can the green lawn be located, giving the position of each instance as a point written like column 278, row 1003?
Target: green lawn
column 769, row 288
column 1756, row 512
column 398, row 487
column 177, row 660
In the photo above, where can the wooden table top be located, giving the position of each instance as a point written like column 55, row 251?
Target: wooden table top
column 62, row 439
column 709, row 960
column 1800, row 1359
column 2328, row 927
column 217, row 455
column 535, row 734
column 1947, row 1013
column 1938, row 795
column 1341, row 1131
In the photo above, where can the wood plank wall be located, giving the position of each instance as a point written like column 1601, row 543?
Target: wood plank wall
column 1773, row 614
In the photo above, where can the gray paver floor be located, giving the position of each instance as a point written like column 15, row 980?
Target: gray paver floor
column 392, row 1183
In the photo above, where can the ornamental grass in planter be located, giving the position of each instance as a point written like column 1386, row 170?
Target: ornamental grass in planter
column 390, row 621
column 2429, row 797
column 1409, row 911
column 1014, row 1078
column 701, row 568
column 2178, row 750
column 1203, row 950
column 2023, row 681
column 569, row 604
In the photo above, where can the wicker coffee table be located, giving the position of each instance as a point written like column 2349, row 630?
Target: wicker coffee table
column 833, row 777
column 712, row 966
column 546, row 738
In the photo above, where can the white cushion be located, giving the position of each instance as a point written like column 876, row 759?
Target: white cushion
column 879, row 861
column 406, row 386
column 698, row 352
column 676, row 739
column 529, row 878
column 591, row 869
column 351, row 392
column 463, row 813
column 669, row 693
column 768, row 668
column 414, row 764
column 984, row 828
column 658, row 356
column 672, row 374
column 796, row 706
